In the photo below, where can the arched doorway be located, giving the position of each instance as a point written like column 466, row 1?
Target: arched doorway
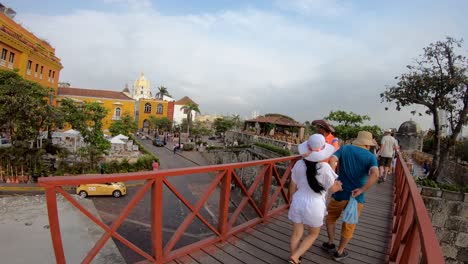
column 146, row 125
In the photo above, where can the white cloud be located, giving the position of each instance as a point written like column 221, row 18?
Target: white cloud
column 322, row 8
column 238, row 61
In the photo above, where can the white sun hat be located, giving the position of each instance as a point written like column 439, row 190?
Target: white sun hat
column 318, row 148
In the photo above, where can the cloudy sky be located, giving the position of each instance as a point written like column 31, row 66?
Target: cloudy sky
column 302, row 58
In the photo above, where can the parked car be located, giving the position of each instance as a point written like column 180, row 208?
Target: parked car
column 158, row 142
column 115, row 189
column 4, row 143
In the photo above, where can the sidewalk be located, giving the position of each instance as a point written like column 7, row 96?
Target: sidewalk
column 26, row 237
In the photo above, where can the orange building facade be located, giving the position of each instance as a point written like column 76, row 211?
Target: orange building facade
column 33, row 58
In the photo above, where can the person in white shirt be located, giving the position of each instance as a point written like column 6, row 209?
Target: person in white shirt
column 388, row 147
column 312, row 178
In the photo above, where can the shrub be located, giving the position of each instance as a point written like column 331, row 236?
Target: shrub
column 283, row 152
column 189, row 146
column 449, row 187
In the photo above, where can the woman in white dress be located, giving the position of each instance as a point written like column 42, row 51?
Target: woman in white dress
column 311, row 180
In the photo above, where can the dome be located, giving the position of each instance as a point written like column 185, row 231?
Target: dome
column 142, row 82
column 409, row 127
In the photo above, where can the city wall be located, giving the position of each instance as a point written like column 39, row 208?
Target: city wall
column 449, row 215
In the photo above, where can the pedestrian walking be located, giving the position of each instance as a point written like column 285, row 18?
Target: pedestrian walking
column 388, row 147
column 358, row 172
column 311, row 179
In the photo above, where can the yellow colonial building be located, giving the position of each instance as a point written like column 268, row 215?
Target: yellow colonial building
column 21, row 50
column 145, row 108
column 117, row 103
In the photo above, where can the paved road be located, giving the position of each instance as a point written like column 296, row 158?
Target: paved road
column 136, row 227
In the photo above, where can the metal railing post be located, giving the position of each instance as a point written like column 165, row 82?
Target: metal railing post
column 51, row 198
column 224, row 203
column 157, row 219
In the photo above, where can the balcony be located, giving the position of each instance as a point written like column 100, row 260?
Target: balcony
column 2, row 63
column 10, row 65
column 48, row 79
column 115, row 117
column 35, row 75
column 28, row 72
column 40, row 76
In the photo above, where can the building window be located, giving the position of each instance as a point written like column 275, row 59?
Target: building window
column 4, row 53
column 50, row 73
column 42, row 69
column 185, row 111
column 147, row 108
column 141, row 92
column 12, row 57
column 117, row 111
column 37, row 68
column 159, row 109
column 28, row 68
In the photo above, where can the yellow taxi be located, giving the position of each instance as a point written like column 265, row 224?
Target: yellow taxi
column 115, row 189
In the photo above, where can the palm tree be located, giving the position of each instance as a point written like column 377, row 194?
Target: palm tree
column 162, row 91
column 189, row 107
column 236, row 119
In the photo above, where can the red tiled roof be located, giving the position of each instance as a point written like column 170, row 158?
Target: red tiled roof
column 279, row 120
column 184, row 101
column 63, row 91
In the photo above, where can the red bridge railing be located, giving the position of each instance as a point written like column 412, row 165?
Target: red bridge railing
column 225, row 175
column 413, row 237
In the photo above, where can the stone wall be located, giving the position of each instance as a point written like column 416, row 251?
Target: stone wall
column 245, row 138
column 449, row 215
column 452, row 172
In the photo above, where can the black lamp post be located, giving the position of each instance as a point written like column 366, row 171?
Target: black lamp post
column 179, row 136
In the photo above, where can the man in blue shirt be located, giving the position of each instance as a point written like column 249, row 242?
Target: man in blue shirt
column 358, row 171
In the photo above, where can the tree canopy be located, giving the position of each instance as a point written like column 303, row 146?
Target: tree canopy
column 349, row 124
column 160, row 123
column 189, row 107
column 223, row 124
column 162, row 91
column 24, row 107
column 87, row 119
column 125, row 126
column 438, row 81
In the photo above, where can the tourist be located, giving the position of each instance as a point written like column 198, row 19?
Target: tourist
column 311, row 179
column 155, row 165
column 388, row 146
column 358, row 172
column 324, row 128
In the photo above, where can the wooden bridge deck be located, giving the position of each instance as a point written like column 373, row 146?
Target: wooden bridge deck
column 269, row 242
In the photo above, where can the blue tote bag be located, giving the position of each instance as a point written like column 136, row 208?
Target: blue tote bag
column 350, row 213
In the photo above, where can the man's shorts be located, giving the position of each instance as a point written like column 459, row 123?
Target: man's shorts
column 335, row 208
column 385, row 162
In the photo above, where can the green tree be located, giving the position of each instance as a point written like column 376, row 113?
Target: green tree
column 349, row 124
column 87, row 119
column 237, row 120
column 189, row 107
column 162, row 91
column 24, row 108
column 160, row 123
column 222, row 124
column 125, row 126
column 438, row 81
column 198, row 130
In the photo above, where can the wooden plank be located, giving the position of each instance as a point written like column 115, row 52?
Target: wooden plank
column 220, row 255
column 254, row 250
column 186, row 260
column 238, row 253
column 204, row 258
column 371, row 253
